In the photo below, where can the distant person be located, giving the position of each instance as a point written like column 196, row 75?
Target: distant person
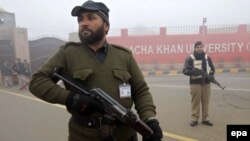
column 196, row 64
column 27, row 68
column 7, row 74
column 95, row 63
column 19, row 69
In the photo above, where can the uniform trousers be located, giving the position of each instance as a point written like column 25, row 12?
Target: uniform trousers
column 200, row 96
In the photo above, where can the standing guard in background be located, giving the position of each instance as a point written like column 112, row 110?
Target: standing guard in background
column 27, row 68
column 20, row 70
column 7, row 74
column 195, row 65
column 95, row 63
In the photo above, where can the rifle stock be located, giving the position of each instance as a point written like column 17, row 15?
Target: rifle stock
column 111, row 106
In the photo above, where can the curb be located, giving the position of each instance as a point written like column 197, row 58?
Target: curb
column 178, row 72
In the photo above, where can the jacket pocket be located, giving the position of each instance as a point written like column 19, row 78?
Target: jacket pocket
column 82, row 74
column 123, row 75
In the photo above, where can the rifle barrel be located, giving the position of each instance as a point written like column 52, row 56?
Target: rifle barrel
column 55, row 74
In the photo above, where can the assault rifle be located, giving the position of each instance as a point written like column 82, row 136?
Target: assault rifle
column 211, row 79
column 205, row 75
column 110, row 105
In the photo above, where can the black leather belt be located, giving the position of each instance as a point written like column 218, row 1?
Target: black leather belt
column 91, row 122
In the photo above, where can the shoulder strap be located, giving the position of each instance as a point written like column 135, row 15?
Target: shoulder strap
column 71, row 43
column 206, row 56
column 192, row 56
column 121, row 48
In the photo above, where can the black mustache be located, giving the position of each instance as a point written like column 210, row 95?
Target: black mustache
column 86, row 29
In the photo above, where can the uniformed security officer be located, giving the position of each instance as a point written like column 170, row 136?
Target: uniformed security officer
column 96, row 64
column 200, row 87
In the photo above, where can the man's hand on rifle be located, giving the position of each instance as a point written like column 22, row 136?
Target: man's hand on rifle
column 154, row 125
column 211, row 77
column 82, row 104
column 197, row 72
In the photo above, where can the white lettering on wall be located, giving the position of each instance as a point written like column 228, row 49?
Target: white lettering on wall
column 161, row 49
column 142, row 49
column 248, row 47
column 240, row 45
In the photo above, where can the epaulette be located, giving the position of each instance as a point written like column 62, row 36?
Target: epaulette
column 122, row 48
column 71, row 44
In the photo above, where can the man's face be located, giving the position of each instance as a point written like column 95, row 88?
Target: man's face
column 92, row 28
column 199, row 48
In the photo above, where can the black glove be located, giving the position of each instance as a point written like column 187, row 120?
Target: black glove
column 211, row 77
column 82, row 104
column 197, row 72
column 154, row 125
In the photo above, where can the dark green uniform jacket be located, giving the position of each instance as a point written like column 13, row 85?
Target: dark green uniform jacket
column 80, row 63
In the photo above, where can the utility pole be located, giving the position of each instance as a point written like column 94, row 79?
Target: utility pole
column 203, row 25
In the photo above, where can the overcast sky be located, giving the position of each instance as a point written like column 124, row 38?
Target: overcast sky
column 53, row 16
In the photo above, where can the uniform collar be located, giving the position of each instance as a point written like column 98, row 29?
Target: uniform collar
column 103, row 49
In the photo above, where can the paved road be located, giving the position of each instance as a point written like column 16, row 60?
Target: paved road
column 25, row 118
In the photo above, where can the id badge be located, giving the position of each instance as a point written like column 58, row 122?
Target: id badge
column 125, row 90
